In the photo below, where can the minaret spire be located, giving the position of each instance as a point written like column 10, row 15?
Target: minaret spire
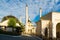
column 40, row 12
column 26, row 18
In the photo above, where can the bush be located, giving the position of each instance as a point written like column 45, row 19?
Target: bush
column 8, row 33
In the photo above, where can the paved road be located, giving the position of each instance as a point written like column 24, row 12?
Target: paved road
column 7, row 37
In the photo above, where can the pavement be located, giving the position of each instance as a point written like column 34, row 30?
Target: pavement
column 21, row 37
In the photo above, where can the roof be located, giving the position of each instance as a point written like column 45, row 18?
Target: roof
column 10, row 16
column 47, row 16
column 5, row 23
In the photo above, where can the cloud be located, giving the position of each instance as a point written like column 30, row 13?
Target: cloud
column 17, row 7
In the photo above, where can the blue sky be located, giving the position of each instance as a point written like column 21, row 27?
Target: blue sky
column 17, row 8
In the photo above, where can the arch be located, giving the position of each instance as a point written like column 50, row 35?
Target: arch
column 58, row 30
column 46, row 32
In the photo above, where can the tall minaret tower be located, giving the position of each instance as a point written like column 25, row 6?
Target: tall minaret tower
column 26, row 26
column 40, row 12
column 40, row 19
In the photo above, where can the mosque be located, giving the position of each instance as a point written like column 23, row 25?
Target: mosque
column 29, row 27
column 49, row 25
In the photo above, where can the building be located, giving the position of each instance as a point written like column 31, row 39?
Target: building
column 49, row 25
column 31, row 28
column 4, row 23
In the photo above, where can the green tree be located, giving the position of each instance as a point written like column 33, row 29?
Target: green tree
column 12, row 22
column 22, row 28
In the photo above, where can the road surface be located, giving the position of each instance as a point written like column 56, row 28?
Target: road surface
column 8, row 37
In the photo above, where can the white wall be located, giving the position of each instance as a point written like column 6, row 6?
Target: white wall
column 55, row 21
column 45, row 24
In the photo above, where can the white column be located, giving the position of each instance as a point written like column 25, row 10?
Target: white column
column 26, row 19
column 54, row 30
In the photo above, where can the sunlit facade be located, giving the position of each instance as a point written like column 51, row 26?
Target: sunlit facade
column 47, row 25
column 31, row 29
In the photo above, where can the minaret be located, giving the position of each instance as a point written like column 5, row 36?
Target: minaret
column 26, row 26
column 41, row 20
column 40, row 12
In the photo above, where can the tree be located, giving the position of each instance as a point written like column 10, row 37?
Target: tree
column 10, row 16
column 12, row 22
column 20, row 29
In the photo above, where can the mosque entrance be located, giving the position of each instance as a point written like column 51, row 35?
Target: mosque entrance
column 46, row 32
column 58, row 30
